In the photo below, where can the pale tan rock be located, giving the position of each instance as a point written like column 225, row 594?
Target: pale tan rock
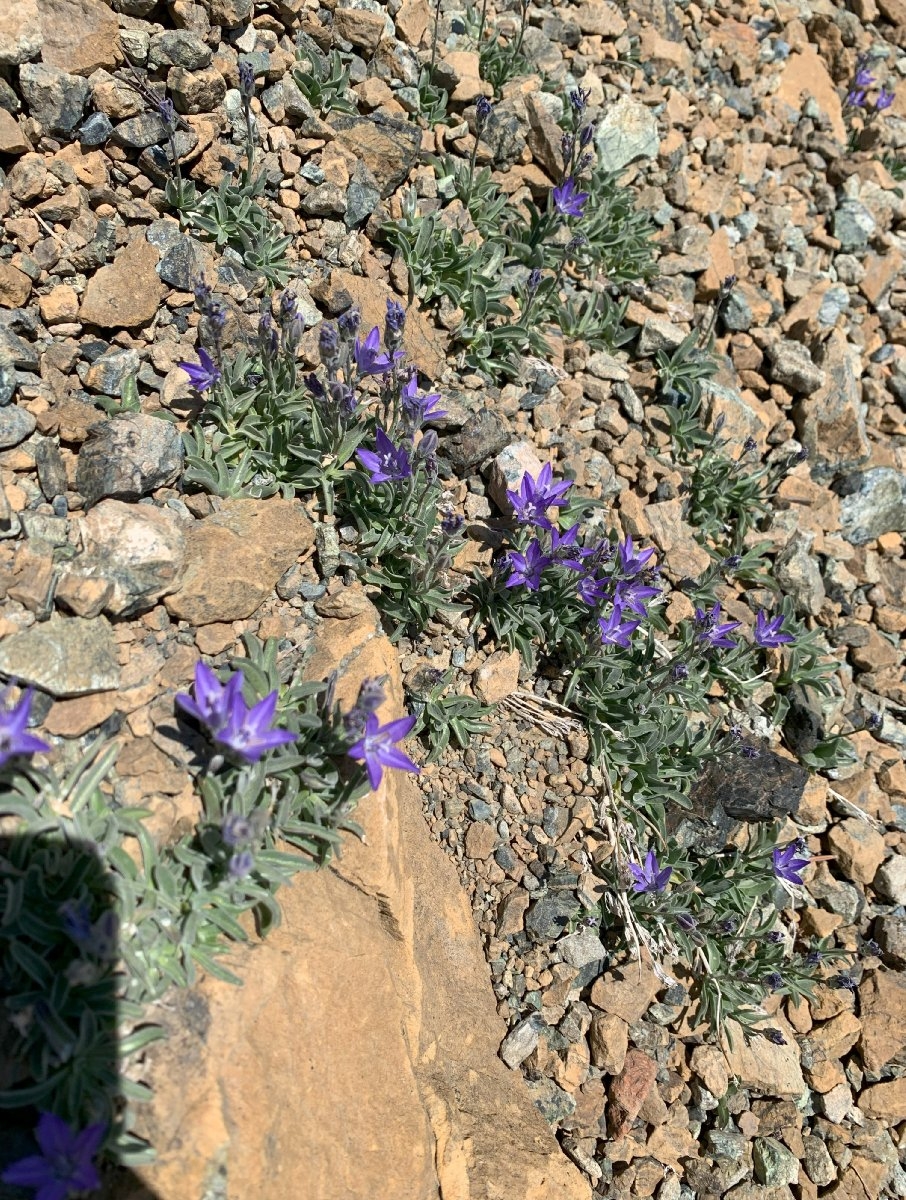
column 628, row 1091
column 608, row 1040
column 626, row 992
column 15, row 286
column 497, row 677
column 805, row 74
column 412, row 21
column 885, row 1100
column 374, row 1071
column 604, row 19
column 126, row 293
column 762, row 1066
column 12, row 136
column 235, row 557
column 424, row 344
column 80, row 36
column 60, row 304
column 465, row 67
column 359, row 26
column 72, row 718
column 859, row 849
column 882, row 1000
column 711, row 1067
column 481, row 838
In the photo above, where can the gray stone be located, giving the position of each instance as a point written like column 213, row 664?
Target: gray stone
column 109, row 373
column 764, row 788
column 185, row 262
column 798, row 574
column 552, row 1102
column 147, row 129
column 16, row 350
column 818, row 1164
column 54, row 98
column 520, row 1042
column 325, row 200
column 95, row 130
column 890, row 934
column 388, row 147
column 831, row 421
column 128, row 456
column 65, row 656
column 503, row 134
column 774, row 1164
column 16, row 424
column 9, row 381
column 581, row 948
column 362, row 196
column 791, row 365
column 627, row 132
column 484, row 434
column 139, row 548
column 551, row 915
column 890, row 879
column 844, row 899
column 853, row 225
column 179, row 48
column 658, row 334
column 51, row 468
column 873, row 502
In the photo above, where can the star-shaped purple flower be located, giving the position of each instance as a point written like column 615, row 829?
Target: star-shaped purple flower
column 419, row 408
column 527, row 568
column 568, row 200
column 883, row 100
column 535, row 496
column 630, row 560
column 787, row 865
column 376, row 748
column 632, row 594
column 650, row 877
column 211, row 704
column 369, row 357
column 712, row 633
column 64, row 1165
column 247, row 732
column 615, row 631
column 768, row 633
column 14, row 736
column 387, row 463
column 592, row 590
column 203, row 374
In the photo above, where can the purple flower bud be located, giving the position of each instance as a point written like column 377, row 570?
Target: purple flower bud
column 585, row 136
column 167, row 112
column 348, row 323
column 813, row 958
column 774, row 981
column 394, row 324
column 534, row 279
column 427, row 446
column 775, row 1036
column 483, row 109
column 578, row 99
column 246, row 80
column 236, row 830
column 679, row 672
column 883, row 100
column 329, row 345
column 241, row 864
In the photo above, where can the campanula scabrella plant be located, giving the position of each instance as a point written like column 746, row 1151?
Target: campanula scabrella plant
column 789, row 864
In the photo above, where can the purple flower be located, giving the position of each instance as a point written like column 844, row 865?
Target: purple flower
column 768, row 632
column 535, row 496
column 855, row 98
column 483, row 109
column 203, row 374
column 614, row 630
column 863, row 78
column 64, row 1165
column 713, row 633
column 387, row 463
column 377, row 750
column 240, row 864
column 883, row 100
column 592, row 590
column 419, row 408
column 629, row 559
column 650, row 877
column 14, row 738
column 527, row 568
column 633, row 593
column 568, row 201
column 563, row 544
column 787, row 866
column 369, row 357
column 236, row 830
column 247, row 732
column 211, row 704
column 775, row 1037
column 578, row 98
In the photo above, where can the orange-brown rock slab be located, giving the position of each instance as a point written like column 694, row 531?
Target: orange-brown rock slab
column 358, row 1061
